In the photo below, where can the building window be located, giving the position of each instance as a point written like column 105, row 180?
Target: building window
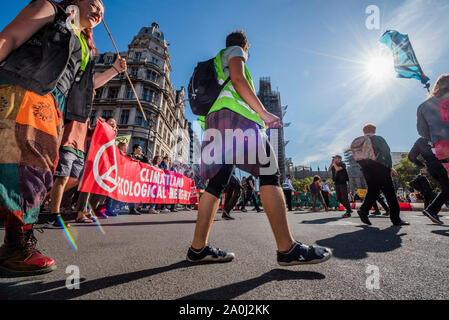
column 155, row 61
column 109, row 59
column 107, row 113
column 134, row 72
column 146, row 124
column 113, row 93
column 139, row 118
column 148, row 94
column 138, row 56
column 98, row 93
column 124, row 117
column 93, row 115
column 129, row 93
column 151, row 75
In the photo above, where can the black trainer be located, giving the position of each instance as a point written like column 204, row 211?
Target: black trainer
column 209, row 254
column 432, row 216
column 346, row 215
column 303, row 254
column 54, row 223
column 401, row 223
column 364, row 217
column 227, row 216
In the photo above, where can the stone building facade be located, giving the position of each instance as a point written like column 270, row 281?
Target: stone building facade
column 166, row 132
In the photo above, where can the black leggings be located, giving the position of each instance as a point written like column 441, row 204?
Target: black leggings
column 218, row 183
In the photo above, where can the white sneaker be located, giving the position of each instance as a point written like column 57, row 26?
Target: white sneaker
column 153, row 211
column 165, row 211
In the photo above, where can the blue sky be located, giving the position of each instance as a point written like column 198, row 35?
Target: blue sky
column 314, row 51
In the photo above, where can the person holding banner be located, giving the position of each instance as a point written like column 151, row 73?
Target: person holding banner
column 239, row 109
column 41, row 89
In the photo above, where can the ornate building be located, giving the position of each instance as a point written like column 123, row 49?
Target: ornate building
column 166, row 132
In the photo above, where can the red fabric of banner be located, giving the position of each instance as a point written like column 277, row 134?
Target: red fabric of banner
column 109, row 172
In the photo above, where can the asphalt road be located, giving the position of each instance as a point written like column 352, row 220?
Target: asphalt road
column 143, row 257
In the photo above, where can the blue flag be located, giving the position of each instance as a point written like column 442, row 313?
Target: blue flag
column 405, row 61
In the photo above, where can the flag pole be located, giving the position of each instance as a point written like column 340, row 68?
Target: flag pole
column 126, row 72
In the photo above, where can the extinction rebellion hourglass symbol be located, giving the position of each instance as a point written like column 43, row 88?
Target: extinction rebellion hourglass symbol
column 444, row 110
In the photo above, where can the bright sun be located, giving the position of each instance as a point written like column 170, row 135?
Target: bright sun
column 380, row 68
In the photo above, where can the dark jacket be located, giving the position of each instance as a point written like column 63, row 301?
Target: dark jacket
column 433, row 119
column 423, row 149
column 382, row 151
column 38, row 64
column 139, row 157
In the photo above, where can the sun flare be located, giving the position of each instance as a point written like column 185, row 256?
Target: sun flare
column 380, row 68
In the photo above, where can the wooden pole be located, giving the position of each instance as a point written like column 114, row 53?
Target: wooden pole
column 126, row 72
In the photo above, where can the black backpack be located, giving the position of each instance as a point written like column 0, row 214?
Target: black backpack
column 204, row 88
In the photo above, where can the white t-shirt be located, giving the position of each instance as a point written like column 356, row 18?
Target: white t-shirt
column 228, row 54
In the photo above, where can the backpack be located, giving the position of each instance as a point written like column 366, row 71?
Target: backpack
column 204, row 88
column 362, row 149
column 313, row 188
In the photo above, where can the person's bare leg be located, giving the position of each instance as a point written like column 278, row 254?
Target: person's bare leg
column 71, row 183
column 56, row 194
column 273, row 202
column 206, row 212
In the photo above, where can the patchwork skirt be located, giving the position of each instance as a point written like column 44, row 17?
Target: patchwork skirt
column 30, row 131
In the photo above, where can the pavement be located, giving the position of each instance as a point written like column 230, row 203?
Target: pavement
column 143, row 257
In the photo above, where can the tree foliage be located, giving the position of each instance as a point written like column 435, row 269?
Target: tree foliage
column 407, row 172
column 300, row 185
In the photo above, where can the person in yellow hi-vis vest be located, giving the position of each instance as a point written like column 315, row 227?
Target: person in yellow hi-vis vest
column 235, row 137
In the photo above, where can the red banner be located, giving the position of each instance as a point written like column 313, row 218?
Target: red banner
column 109, row 172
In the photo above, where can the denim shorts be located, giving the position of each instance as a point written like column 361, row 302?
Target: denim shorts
column 69, row 165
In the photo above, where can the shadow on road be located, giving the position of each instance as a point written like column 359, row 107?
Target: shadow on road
column 322, row 221
column 441, row 232
column 356, row 245
column 234, row 290
column 38, row 290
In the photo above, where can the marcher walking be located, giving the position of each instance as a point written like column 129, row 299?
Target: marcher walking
column 341, row 178
column 288, row 190
column 377, row 169
column 238, row 107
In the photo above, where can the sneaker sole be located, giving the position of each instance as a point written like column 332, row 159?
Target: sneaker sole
column 211, row 259
column 428, row 215
column 295, row 263
column 28, row 273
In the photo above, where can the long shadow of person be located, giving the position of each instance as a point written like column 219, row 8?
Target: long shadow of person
column 39, row 290
column 234, row 290
column 356, row 245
